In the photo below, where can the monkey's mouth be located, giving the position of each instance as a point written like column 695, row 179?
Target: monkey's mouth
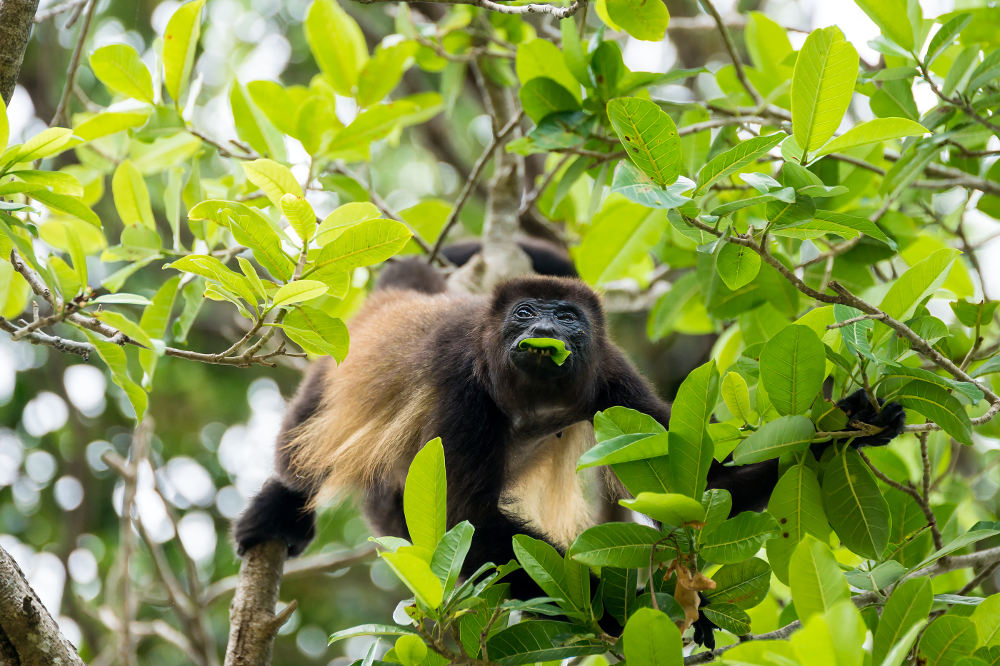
column 546, row 348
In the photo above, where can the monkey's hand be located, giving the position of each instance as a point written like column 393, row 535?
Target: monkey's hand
column 276, row 513
column 860, row 413
column 704, row 629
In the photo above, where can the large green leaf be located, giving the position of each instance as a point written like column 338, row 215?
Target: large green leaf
column 132, row 197
column 744, row 584
column 546, row 567
column 937, row 404
column 450, row 553
column 416, row 574
column 908, row 604
column 298, row 291
column 774, row 439
column 691, row 446
column 540, row 58
column 119, row 67
column 873, row 131
column 815, row 579
column 337, row 44
column 317, row 332
column 651, row 638
column 946, row 640
column 792, row 369
column 539, row 640
column 668, row 508
column 986, row 617
column 737, row 264
column 855, row 506
column 620, row 236
column 822, row 85
column 921, row 279
column 625, row 448
column 424, row 498
column 623, row 545
column 642, row 19
column 797, row 504
column 541, row 96
column 179, row 44
column 737, row 158
column 737, row 539
column 252, row 126
column 383, row 71
column 892, row 17
column 275, row 180
column 649, row 136
column 362, row 244
column 736, row 395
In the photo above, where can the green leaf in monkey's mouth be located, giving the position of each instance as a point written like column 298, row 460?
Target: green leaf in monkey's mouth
column 554, row 349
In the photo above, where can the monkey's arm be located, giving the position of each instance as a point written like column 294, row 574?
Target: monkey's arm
column 751, row 485
column 623, row 385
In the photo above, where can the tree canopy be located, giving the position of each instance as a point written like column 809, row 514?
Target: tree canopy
column 200, row 200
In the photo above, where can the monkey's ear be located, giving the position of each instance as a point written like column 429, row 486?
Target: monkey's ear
column 891, row 418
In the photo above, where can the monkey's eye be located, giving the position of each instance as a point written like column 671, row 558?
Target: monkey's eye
column 524, row 312
column 567, row 317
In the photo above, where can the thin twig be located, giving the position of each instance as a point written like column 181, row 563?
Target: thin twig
column 532, row 8
column 731, row 48
column 470, row 183
column 74, row 64
column 58, row 9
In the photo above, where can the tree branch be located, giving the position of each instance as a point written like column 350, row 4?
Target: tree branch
column 26, row 628
column 74, row 64
column 532, row 8
column 16, row 17
column 252, row 620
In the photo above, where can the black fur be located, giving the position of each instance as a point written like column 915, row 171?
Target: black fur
column 411, row 273
column 546, row 258
column 276, row 513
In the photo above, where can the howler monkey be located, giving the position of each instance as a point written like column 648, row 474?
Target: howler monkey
column 512, row 422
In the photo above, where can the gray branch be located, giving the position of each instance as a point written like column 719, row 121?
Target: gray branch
column 16, row 19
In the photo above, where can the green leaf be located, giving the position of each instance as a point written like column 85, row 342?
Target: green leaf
column 300, row 215
column 109, row 122
column 835, row 638
column 873, row 131
column 641, row 19
column 621, row 234
column 541, row 96
column 891, row 16
column 738, row 265
column 556, row 349
column 668, row 508
column 424, row 497
column 649, row 136
column 132, row 197
column 119, row 67
column 937, row 404
column 862, row 224
column 275, row 180
column 918, row 281
column 652, row 639
column 114, row 357
column 179, row 44
column 815, row 579
column 743, row 585
column 691, row 446
column 737, row 158
column 908, row 604
column 539, row 640
column 855, row 506
column 317, row 332
column 986, row 617
column 46, row 143
column 381, row 74
column 213, row 269
column 944, row 37
column 625, row 448
column 792, row 369
column 546, row 567
column 625, row 545
column 369, row 630
column 899, row 653
column 337, row 44
column 164, row 153
column 69, row 205
column 122, row 299
column 345, row 216
column 616, row 421
column 538, row 58
column 728, row 617
column 636, row 186
column 962, row 541
column 737, row 539
column 822, row 85
column 450, row 553
column 252, row 126
column 797, row 504
column 946, row 640
column 363, row 244
column 786, row 434
column 298, row 291
column 736, row 395
column 856, row 336
column 154, row 322
column 416, row 574
column 410, row 650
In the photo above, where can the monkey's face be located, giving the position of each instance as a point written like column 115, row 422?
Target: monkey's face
column 537, row 318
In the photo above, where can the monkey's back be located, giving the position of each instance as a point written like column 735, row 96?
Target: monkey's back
column 375, row 407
